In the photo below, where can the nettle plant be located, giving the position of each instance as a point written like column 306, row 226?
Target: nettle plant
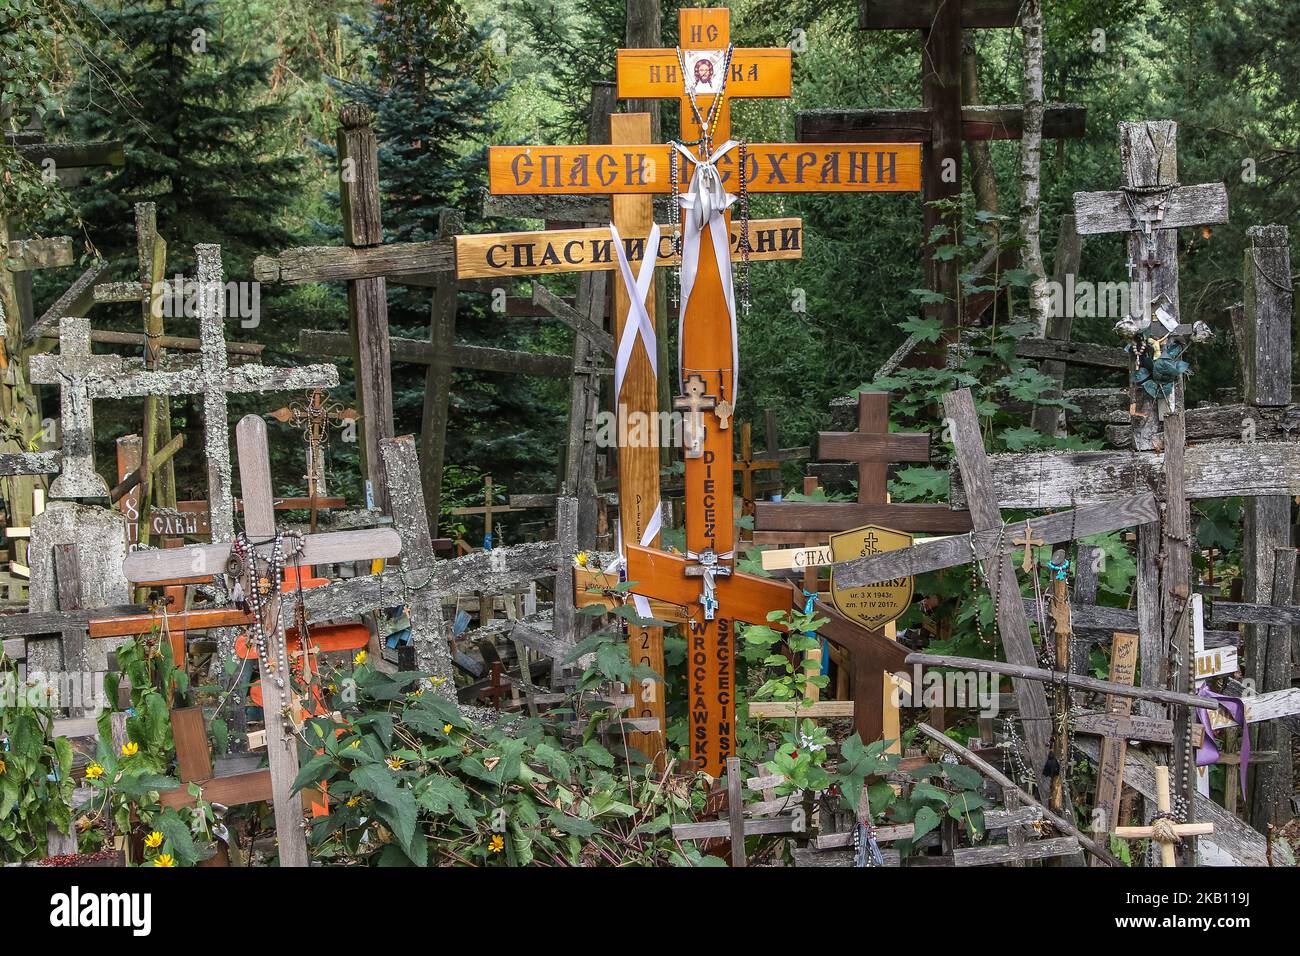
column 412, row 782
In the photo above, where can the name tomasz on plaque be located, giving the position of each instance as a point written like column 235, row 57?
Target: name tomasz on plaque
column 875, row 605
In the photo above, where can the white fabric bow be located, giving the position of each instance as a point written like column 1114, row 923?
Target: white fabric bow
column 704, row 203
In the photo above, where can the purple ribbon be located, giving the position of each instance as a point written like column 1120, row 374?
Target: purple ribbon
column 1208, row 752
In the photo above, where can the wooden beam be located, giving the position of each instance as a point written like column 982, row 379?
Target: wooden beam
column 914, row 125
column 340, row 263
column 950, row 552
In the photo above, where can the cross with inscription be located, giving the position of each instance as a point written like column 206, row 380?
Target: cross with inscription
column 708, row 339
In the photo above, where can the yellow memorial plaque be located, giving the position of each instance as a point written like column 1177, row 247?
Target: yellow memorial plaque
column 876, row 605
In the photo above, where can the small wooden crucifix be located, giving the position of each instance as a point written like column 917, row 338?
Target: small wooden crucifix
column 1030, row 542
column 313, row 418
column 1163, row 829
column 487, row 511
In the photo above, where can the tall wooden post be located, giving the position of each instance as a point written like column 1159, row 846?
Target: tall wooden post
column 1266, row 354
column 437, row 380
column 358, row 155
column 638, row 465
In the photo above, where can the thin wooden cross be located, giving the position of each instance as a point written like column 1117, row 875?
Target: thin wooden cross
column 1029, row 542
column 279, row 704
column 487, row 510
column 1167, row 833
column 314, row 418
column 747, row 464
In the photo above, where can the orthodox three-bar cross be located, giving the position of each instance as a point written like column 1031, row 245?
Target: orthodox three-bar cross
column 714, row 72
column 278, row 703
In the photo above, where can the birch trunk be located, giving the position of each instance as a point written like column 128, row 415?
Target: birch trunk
column 1031, row 155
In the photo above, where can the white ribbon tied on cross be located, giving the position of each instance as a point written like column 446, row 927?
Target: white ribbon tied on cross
column 638, row 323
column 704, row 204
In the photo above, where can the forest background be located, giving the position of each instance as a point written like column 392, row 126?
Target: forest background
column 228, row 109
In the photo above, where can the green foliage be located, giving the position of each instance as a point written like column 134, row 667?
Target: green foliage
column 35, row 770
column 414, row 783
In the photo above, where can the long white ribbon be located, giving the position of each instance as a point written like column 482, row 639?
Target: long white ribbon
column 638, row 321
column 703, row 204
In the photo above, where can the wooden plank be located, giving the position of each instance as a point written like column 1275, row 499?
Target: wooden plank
column 1013, row 626
column 250, row 787
column 73, row 155
column 1114, row 749
column 885, row 447
column 919, row 14
column 841, row 516
column 914, row 124
column 654, row 74
column 545, row 252
column 1130, row 727
column 1045, row 480
column 76, row 300
column 1260, row 707
column 736, row 811
column 325, row 548
column 1002, row 855
column 1067, row 679
column 1108, row 211
column 778, row 710
column 1230, row 612
column 30, row 463
column 638, row 463
column 341, row 263
column 949, row 552
column 25, row 255
column 564, row 170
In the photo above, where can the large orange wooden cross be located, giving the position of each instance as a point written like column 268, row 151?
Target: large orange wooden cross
column 704, row 582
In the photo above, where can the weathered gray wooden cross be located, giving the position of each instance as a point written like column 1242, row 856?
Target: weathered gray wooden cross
column 84, row 377
column 280, row 705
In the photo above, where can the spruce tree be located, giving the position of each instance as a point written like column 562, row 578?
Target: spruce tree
column 429, row 84
column 202, row 137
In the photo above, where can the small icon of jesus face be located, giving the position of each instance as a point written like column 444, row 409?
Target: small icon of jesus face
column 704, row 73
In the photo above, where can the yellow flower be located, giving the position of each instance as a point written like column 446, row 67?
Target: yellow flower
column 130, row 748
column 497, row 843
column 94, row 771
column 154, row 840
column 435, row 681
column 395, row 763
column 581, row 559
column 416, row 693
column 2, row 765
column 446, row 728
column 355, row 743
column 164, row 859
column 353, row 801
column 360, row 658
